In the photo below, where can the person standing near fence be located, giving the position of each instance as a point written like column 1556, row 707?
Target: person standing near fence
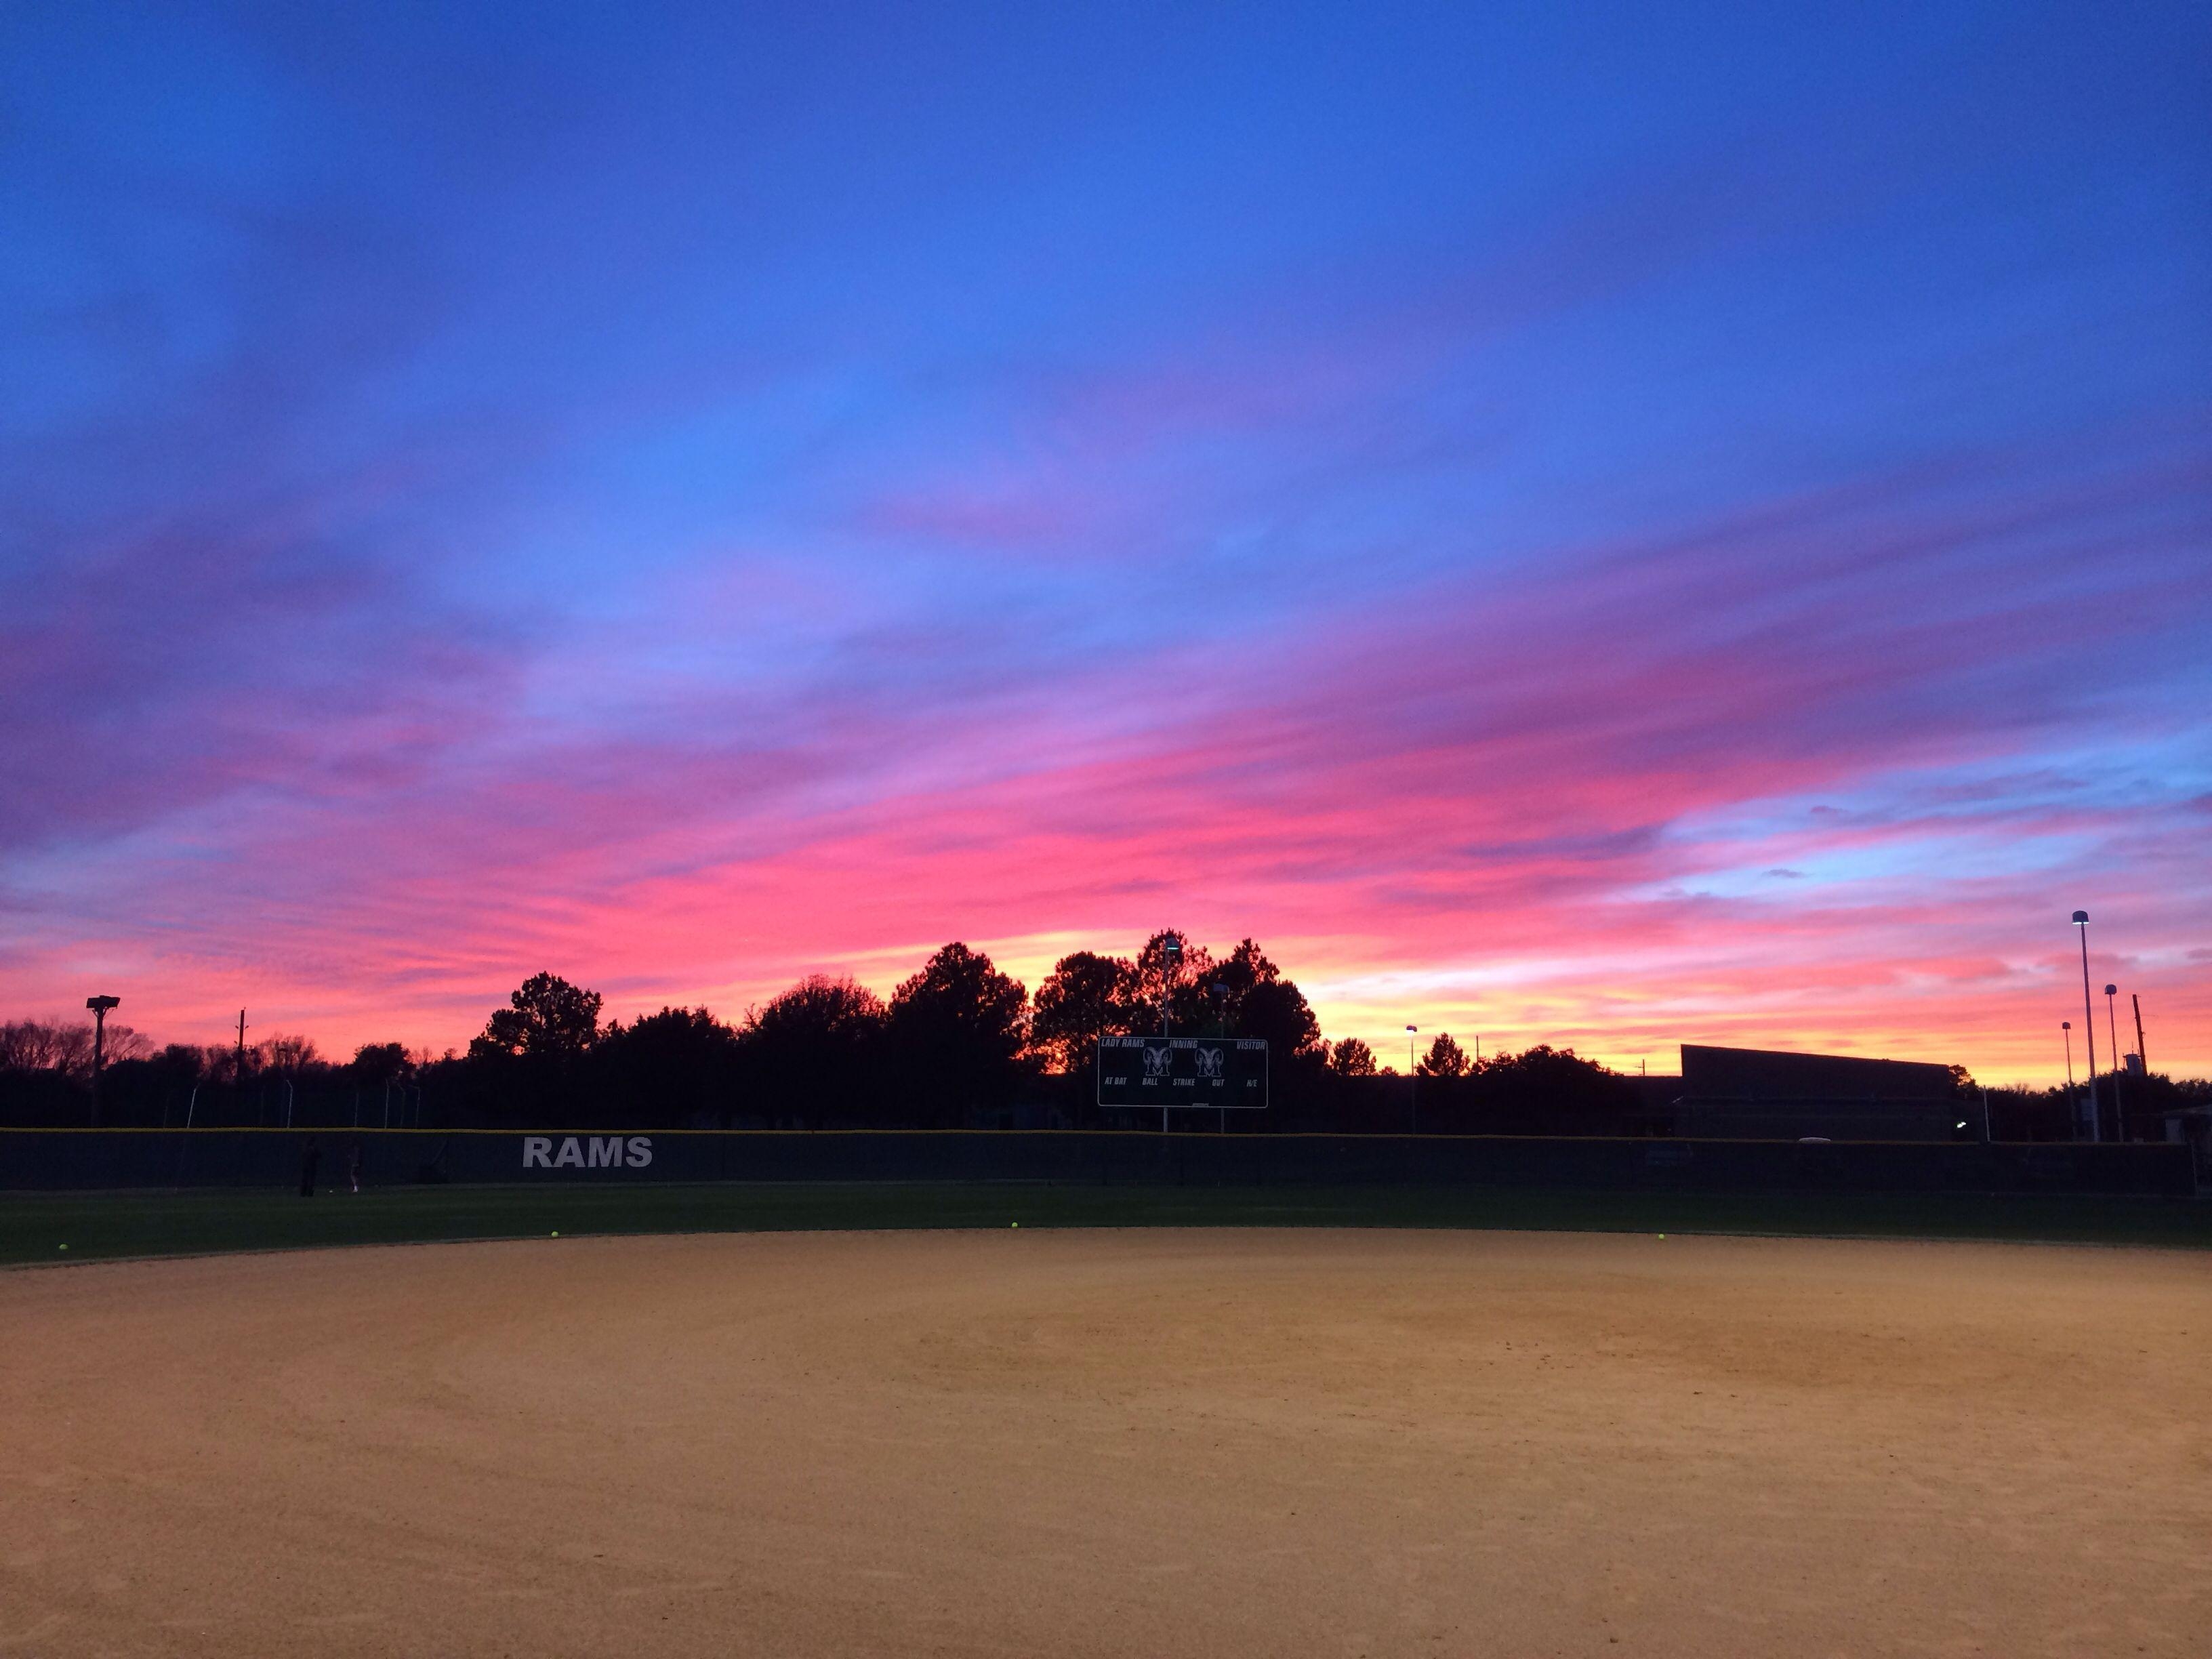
column 353, row 1166
column 310, row 1156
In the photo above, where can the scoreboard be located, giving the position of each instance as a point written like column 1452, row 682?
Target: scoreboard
column 1154, row 1071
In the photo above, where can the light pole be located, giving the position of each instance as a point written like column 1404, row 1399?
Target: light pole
column 2112, row 1036
column 100, row 1006
column 2067, row 1026
column 2089, row 1023
column 1412, row 1078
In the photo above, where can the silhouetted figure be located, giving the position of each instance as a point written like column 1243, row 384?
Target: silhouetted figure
column 353, row 1166
column 310, row 1156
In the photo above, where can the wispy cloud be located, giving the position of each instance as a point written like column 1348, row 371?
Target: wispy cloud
column 1730, row 569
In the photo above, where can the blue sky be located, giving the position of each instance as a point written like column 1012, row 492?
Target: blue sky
column 689, row 499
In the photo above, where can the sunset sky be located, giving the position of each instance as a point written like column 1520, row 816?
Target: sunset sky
column 1605, row 526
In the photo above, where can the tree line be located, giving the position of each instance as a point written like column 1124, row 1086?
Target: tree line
column 958, row 1044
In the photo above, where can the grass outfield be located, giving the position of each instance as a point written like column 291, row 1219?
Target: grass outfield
column 87, row 1226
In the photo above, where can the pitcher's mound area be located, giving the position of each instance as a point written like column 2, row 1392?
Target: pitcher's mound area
column 1030, row 1443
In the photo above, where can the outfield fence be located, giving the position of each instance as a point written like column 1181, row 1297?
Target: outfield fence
column 60, row 1160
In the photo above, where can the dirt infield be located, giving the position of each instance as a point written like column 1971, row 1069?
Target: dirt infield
column 1283, row 1443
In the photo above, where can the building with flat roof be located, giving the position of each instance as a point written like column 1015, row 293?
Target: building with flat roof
column 1764, row 1094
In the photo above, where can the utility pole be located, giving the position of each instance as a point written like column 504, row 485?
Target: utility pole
column 2135, row 998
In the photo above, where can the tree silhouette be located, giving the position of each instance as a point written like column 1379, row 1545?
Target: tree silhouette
column 291, row 1055
column 32, row 1045
column 1444, row 1059
column 1243, row 968
column 1351, row 1058
column 1087, row 996
column 36, row 1045
column 1278, row 1012
column 379, row 1062
column 1547, row 1090
column 679, row 1065
column 819, row 1010
column 1255, row 1000
column 546, row 1016
column 183, row 1060
column 958, row 1027
column 816, row 1050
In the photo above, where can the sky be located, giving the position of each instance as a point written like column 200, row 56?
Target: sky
column 1598, row 525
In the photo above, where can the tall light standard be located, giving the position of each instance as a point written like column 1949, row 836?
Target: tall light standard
column 1412, row 1078
column 100, row 1006
column 2112, row 1035
column 2089, row 1022
column 2067, row 1026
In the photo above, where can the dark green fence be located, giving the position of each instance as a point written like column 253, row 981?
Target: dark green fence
column 95, row 1159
